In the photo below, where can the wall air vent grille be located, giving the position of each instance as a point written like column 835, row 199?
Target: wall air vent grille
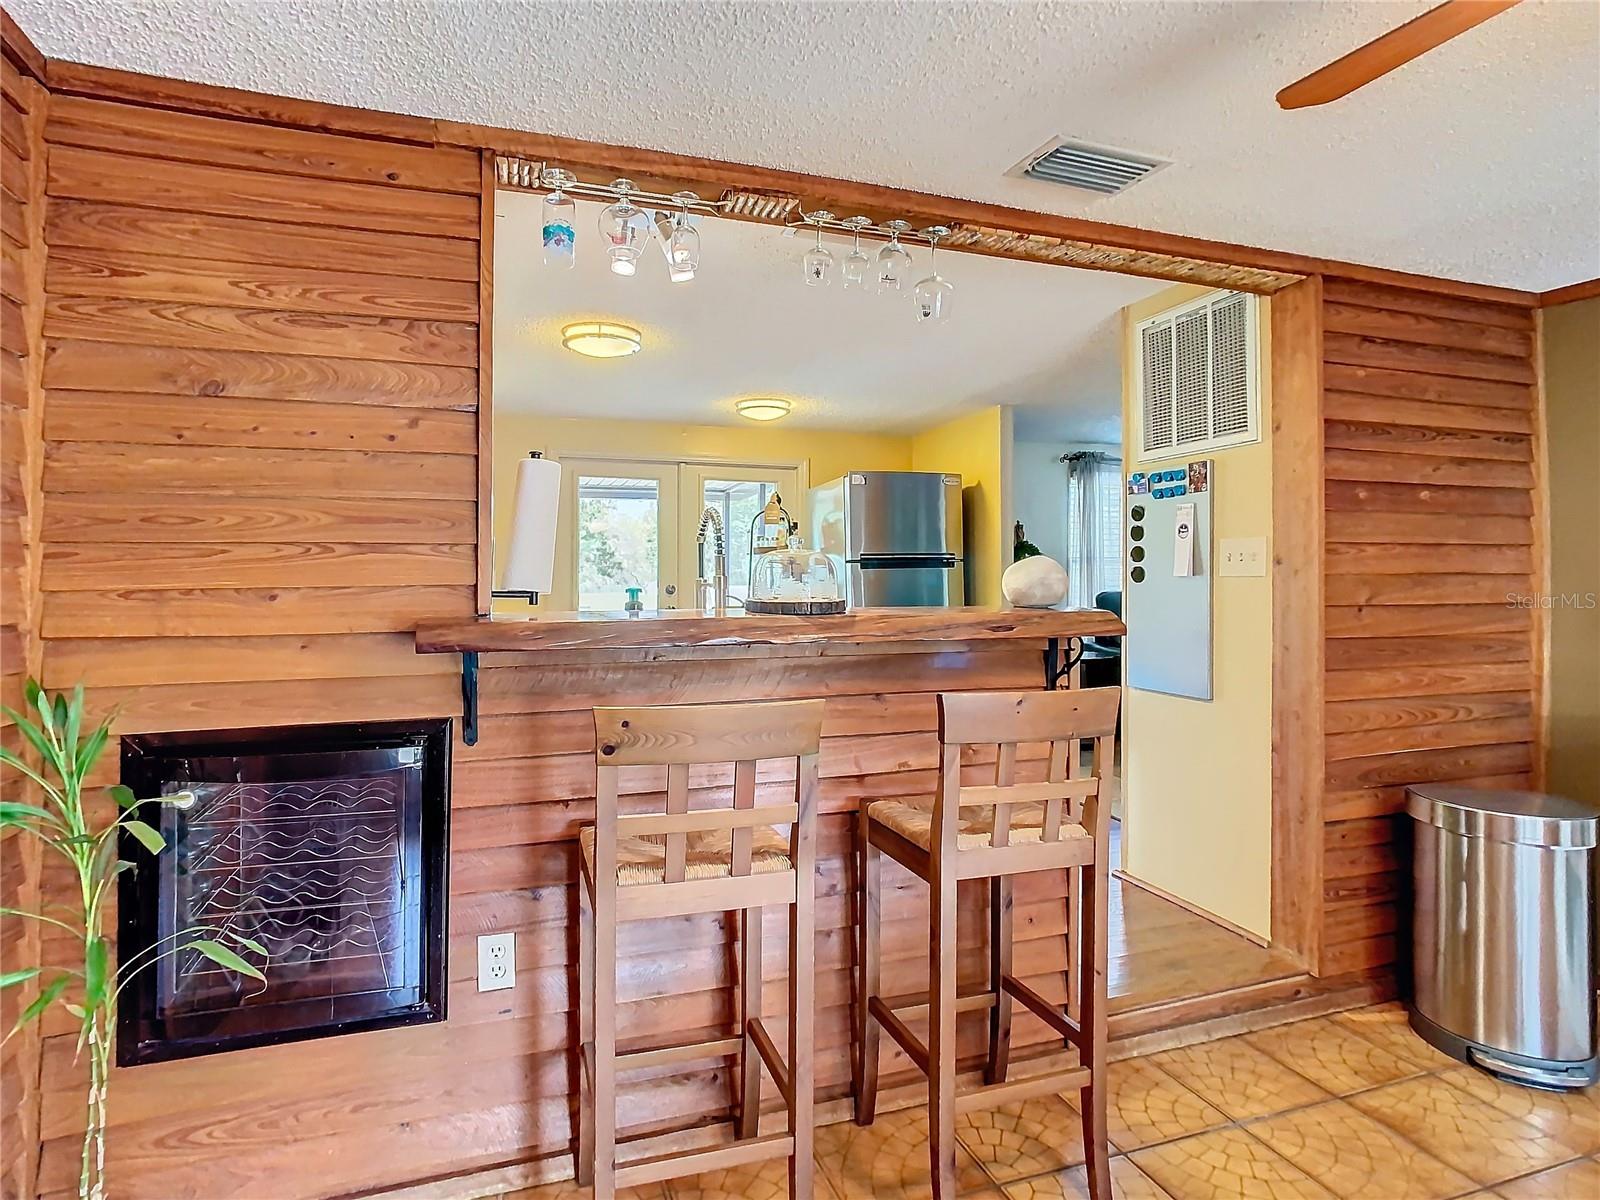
column 1197, row 374
column 1102, row 169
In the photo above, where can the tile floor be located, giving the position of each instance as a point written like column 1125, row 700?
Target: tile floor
column 1348, row 1107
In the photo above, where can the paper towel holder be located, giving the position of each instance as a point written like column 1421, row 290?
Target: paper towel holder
column 530, row 595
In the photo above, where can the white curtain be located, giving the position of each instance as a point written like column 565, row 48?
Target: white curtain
column 1094, row 525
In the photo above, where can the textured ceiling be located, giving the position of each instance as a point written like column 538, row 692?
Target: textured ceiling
column 1480, row 161
column 1042, row 338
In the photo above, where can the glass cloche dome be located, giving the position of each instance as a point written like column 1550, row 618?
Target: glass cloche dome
column 796, row 581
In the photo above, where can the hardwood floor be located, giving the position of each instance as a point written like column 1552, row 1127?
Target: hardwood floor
column 1161, row 951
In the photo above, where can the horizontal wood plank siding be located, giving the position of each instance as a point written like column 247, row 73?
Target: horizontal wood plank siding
column 23, row 108
column 1431, row 665
column 259, row 469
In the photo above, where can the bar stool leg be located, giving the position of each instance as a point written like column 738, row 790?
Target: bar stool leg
column 1000, row 911
column 869, row 868
column 1092, row 986
column 749, row 1008
column 605, row 1038
column 802, row 1019
column 942, row 1035
column 1074, row 970
column 583, row 1158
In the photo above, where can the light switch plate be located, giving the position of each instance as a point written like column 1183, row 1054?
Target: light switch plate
column 1242, row 556
column 497, row 961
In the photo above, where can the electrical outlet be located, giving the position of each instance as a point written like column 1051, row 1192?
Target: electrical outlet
column 497, row 961
column 1242, row 556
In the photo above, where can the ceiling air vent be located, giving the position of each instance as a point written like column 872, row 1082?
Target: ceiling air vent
column 1196, row 376
column 1103, row 169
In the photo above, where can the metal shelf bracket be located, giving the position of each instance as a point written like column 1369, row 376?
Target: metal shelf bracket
column 469, row 697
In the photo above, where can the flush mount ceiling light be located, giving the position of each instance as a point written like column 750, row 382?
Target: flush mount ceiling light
column 601, row 339
column 764, row 408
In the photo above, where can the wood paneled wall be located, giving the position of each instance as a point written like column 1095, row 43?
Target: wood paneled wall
column 22, row 163
column 261, row 439
column 1430, row 423
column 260, row 472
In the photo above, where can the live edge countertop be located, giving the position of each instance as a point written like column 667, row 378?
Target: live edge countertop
column 690, row 628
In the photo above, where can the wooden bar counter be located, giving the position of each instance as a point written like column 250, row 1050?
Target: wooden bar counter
column 522, row 789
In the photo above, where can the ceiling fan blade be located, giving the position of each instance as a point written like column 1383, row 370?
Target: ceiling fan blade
column 1394, row 49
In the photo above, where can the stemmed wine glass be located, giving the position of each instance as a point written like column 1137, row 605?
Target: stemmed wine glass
column 856, row 263
column 624, row 227
column 894, row 261
column 818, row 261
column 683, row 244
column 557, row 226
column 932, row 295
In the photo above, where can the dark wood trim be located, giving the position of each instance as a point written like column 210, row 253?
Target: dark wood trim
column 156, row 91
column 19, row 48
column 1298, row 508
column 1587, row 290
column 485, row 548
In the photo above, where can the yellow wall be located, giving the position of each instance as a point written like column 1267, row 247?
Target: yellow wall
column 826, row 453
column 977, row 448
column 1572, row 415
column 1197, row 775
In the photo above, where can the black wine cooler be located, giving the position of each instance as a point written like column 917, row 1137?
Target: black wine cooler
column 325, row 845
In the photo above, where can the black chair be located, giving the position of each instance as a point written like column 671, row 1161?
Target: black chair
column 1102, row 656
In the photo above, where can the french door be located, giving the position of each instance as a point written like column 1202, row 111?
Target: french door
column 630, row 524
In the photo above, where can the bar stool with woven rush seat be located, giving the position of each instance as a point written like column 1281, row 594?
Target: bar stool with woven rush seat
column 995, row 832
column 704, row 860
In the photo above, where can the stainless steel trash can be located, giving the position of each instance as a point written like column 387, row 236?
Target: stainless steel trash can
column 1503, row 932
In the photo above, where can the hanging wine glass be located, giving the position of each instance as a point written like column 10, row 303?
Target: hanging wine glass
column 932, row 295
column 558, row 229
column 857, row 266
column 894, row 261
column 818, row 261
column 624, row 227
column 683, row 243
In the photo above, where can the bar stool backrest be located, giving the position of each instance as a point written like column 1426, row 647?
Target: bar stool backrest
column 1006, row 720
column 680, row 736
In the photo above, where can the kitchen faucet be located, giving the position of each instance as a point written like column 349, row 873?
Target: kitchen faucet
column 711, row 519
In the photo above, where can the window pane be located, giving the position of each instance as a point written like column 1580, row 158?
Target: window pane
column 738, row 501
column 618, row 523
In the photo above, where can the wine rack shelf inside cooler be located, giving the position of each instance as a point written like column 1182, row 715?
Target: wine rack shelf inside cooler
column 311, row 870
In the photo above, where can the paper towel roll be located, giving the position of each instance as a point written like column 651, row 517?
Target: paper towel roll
column 531, row 556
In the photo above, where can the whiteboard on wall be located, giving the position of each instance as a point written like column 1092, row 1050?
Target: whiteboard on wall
column 1168, row 611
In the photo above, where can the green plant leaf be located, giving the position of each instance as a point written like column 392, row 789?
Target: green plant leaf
column 73, row 724
column 42, row 1001
column 147, row 835
column 89, row 752
column 32, row 732
column 223, row 957
column 12, row 978
column 31, row 692
column 45, row 709
column 13, row 813
column 60, row 712
column 250, row 944
column 123, row 795
column 95, row 976
column 76, row 1010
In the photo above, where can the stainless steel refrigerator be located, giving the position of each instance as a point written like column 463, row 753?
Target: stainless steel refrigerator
column 894, row 535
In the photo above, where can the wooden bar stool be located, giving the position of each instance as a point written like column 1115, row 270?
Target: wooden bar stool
column 993, row 833
column 682, row 861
